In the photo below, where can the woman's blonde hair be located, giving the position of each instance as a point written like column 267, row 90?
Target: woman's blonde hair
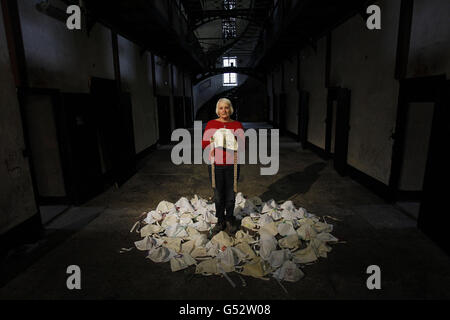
column 226, row 101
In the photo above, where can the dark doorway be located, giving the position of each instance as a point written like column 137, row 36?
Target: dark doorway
column 105, row 106
column 126, row 142
column 337, row 127
column 433, row 218
column 415, row 119
column 303, row 117
column 77, row 125
column 275, row 110
column 165, row 130
column 115, row 135
column 188, row 112
column 419, row 157
column 330, row 121
column 342, row 128
column 282, row 113
column 78, row 141
column 178, row 109
column 39, row 107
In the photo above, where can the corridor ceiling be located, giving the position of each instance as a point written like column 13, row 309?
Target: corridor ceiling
column 259, row 42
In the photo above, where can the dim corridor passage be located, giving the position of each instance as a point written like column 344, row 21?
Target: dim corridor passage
column 375, row 233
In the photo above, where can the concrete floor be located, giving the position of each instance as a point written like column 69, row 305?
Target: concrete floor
column 412, row 267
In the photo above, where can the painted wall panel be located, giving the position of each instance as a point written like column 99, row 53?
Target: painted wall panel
column 61, row 58
column 415, row 152
column 290, row 83
column 17, row 202
column 430, row 39
column 312, row 79
column 135, row 71
column 162, row 76
column 363, row 61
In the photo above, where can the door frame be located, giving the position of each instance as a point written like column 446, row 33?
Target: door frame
column 275, row 111
column 332, row 96
column 23, row 94
column 188, row 112
column 342, row 129
column 179, row 112
column 303, row 117
column 433, row 219
column 282, row 101
column 161, row 136
column 421, row 89
column 342, row 96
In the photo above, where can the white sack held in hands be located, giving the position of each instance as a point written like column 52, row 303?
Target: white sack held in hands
column 224, row 138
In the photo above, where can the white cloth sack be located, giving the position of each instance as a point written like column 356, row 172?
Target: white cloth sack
column 326, row 237
column 169, row 220
column 265, row 219
column 288, row 205
column 145, row 244
column 172, row 243
column 160, row 254
column 223, row 239
column 164, row 206
column 323, row 227
column 151, row 229
column 266, row 246
column 184, row 205
column 202, row 226
column 153, row 216
column 181, row 262
column 270, row 228
column 224, row 138
column 303, row 256
column 289, row 272
column 278, row 257
column 289, row 242
column 286, row 229
column 306, row 232
column 176, row 230
column 207, row 267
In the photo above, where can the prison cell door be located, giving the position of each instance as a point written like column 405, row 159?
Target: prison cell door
column 178, row 109
column 188, row 112
column 419, row 156
column 433, row 218
column 342, row 127
column 337, row 127
column 164, row 125
column 303, row 117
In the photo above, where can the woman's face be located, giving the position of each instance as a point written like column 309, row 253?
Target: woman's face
column 224, row 110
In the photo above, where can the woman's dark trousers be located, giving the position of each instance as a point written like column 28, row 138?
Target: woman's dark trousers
column 224, row 195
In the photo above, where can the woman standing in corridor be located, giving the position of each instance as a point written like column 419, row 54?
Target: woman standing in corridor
column 224, row 136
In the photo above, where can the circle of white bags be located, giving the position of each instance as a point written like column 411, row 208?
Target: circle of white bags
column 275, row 239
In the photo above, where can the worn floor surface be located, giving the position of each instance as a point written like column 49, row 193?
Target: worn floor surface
column 412, row 267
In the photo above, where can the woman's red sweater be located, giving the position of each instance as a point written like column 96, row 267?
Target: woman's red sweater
column 223, row 158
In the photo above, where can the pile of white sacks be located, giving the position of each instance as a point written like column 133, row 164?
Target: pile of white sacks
column 274, row 239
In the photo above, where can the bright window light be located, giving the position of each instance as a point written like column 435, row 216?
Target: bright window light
column 229, row 79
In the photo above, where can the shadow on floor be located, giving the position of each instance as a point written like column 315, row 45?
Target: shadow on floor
column 294, row 183
column 55, row 232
